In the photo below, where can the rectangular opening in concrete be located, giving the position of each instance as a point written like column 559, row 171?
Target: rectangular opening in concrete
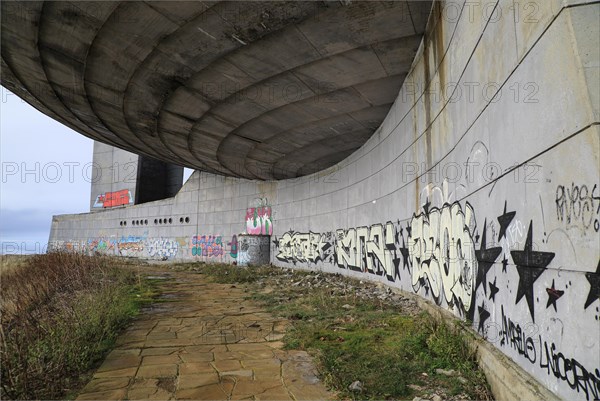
column 157, row 180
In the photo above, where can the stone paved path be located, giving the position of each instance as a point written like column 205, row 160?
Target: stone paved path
column 207, row 343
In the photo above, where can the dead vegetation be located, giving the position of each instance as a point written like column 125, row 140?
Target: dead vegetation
column 60, row 313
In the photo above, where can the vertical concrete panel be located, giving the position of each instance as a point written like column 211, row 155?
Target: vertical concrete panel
column 113, row 171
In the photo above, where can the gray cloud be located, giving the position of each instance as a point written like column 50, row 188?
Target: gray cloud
column 24, row 222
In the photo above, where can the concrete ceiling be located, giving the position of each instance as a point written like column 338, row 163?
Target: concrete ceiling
column 262, row 90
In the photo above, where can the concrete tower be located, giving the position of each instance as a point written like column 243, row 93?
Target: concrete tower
column 123, row 178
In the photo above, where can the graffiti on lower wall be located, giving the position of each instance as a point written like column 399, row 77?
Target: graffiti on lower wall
column 258, row 221
column 160, row 248
column 68, row 246
column 101, row 244
column 527, row 341
column 370, row 249
column 233, row 247
column 112, row 199
column 207, row 245
column 253, row 250
column 132, row 246
column 442, row 253
column 308, row 247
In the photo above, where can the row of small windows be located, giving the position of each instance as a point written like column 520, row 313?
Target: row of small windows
column 134, row 222
column 123, row 223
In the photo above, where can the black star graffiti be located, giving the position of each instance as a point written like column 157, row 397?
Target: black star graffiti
column 396, row 260
column 426, row 206
column 530, row 266
column 404, row 252
column 493, row 290
column 405, row 255
column 504, row 221
column 485, row 258
column 553, row 295
column 504, row 264
column 483, row 316
column 423, row 283
column 594, row 279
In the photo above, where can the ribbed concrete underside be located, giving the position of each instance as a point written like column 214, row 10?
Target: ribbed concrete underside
column 265, row 90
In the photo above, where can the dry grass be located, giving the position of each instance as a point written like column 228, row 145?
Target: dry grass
column 60, row 313
column 9, row 263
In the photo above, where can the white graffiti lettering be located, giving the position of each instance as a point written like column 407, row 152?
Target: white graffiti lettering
column 303, row 247
column 367, row 249
column 442, row 252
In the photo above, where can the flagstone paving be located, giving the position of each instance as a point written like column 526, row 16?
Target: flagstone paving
column 206, row 343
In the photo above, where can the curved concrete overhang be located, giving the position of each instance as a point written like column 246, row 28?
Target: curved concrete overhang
column 260, row 90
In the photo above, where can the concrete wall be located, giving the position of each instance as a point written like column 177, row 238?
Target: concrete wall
column 122, row 178
column 113, row 170
column 479, row 192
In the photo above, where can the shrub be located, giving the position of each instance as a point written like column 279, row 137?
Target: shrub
column 59, row 314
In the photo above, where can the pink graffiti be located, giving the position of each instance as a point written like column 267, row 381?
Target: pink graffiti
column 233, row 246
column 258, row 221
column 210, row 246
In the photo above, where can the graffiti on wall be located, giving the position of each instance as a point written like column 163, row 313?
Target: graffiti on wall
column 162, row 248
column 442, row 253
column 67, row 246
column 132, row 246
column 528, row 343
column 101, row 245
column 578, row 206
column 258, row 221
column 112, row 199
column 308, row 247
column 233, row 247
column 142, row 246
column 530, row 265
column 507, row 232
column 593, row 295
column 368, row 249
column 207, row 245
column 253, row 250
column 378, row 249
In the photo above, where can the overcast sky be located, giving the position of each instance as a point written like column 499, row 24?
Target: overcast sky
column 43, row 173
